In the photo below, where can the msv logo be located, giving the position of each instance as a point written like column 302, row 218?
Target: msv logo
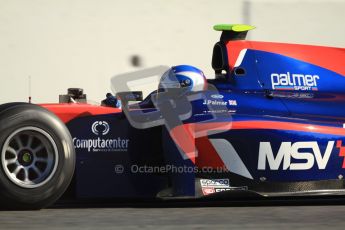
column 307, row 151
column 287, row 81
column 100, row 128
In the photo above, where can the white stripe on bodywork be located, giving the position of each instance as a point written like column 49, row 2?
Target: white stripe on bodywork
column 230, row 157
column 240, row 57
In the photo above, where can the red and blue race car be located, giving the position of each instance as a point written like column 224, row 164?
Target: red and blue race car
column 271, row 123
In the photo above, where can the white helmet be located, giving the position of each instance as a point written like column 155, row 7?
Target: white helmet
column 185, row 77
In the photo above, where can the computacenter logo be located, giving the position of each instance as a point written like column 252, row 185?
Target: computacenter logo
column 100, row 128
column 99, row 144
column 289, row 81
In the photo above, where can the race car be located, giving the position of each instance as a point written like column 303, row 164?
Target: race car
column 271, row 123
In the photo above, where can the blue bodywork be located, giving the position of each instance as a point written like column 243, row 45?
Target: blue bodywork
column 275, row 92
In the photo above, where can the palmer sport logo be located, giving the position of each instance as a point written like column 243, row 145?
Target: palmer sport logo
column 100, row 128
column 292, row 81
column 101, row 144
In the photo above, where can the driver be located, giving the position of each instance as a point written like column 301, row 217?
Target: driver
column 111, row 101
column 185, row 77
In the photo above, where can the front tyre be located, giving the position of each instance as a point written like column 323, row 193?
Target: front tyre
column 37, row 157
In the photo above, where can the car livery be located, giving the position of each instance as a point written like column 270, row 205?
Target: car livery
column 271, row 123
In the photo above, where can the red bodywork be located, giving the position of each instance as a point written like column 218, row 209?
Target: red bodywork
column 326, row 57
column 67, row 112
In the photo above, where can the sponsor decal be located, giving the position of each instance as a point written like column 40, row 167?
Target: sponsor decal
column 293, row 94
column 101, row 144
column 100, row 128
column 308, row 153
column 290, row 81
column 210, row 186
column 223, row 189
column 208, row 191
column 219, row 183
column 217, row 96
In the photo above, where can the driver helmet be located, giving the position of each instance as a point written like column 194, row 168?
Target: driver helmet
column 186, row 77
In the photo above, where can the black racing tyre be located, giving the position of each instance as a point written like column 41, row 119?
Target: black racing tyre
column 37, row 157
column 6, row 106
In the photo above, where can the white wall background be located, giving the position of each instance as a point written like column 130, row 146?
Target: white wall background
column 83, row 43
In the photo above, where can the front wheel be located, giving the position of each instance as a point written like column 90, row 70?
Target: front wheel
column 37, row 157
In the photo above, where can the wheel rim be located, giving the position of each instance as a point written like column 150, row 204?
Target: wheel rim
column 29, row 157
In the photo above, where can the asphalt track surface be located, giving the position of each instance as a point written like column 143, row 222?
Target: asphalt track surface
column 214, row 215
